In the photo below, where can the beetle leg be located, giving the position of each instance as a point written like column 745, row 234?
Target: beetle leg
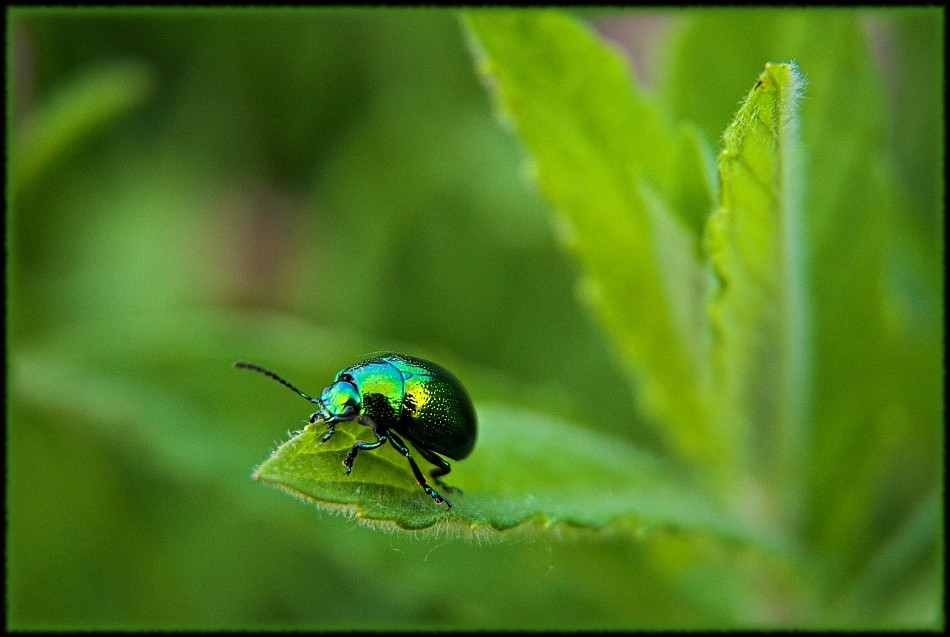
column 442, row 468
column 400, row 446
column 359, row 444
column 315, row 416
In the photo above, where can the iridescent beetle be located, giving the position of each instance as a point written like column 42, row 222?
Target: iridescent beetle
column 395, row 394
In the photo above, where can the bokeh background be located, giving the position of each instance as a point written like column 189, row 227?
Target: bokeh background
column 299, row 188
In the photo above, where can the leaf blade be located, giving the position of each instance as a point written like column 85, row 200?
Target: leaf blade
column 527, row 467
column 875, row 284
column 597, row 144
column 97, row 97
column 758, row 310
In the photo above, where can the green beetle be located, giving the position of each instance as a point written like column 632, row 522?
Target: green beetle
column 395, row 394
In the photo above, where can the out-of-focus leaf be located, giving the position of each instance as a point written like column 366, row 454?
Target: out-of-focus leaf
column 691, row 197
column 158, row 395
column 122, row 374
column 758, row 311
column 898, row 559
column 875, row 283
column 90, row 101
column 526, row 467
column 601, row 150
column 916, row 125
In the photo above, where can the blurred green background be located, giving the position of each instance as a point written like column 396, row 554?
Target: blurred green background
column 297, row 189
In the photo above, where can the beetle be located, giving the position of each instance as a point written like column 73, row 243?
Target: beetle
column 397, row 395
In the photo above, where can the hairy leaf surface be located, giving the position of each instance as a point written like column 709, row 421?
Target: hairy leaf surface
column 758, row 310
column 526, row 467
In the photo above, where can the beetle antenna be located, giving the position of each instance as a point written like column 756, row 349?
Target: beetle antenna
column 267, row 372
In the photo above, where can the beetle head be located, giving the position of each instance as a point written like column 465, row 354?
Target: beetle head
column 338, row 402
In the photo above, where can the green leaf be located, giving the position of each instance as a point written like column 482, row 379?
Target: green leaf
column 93, row 99
column 899, row 558
column 632, row 191
column 526, row 467
column 875, row 280
column 161, row 391
column 758, row 310
column 916, row 114
column 161, row 394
